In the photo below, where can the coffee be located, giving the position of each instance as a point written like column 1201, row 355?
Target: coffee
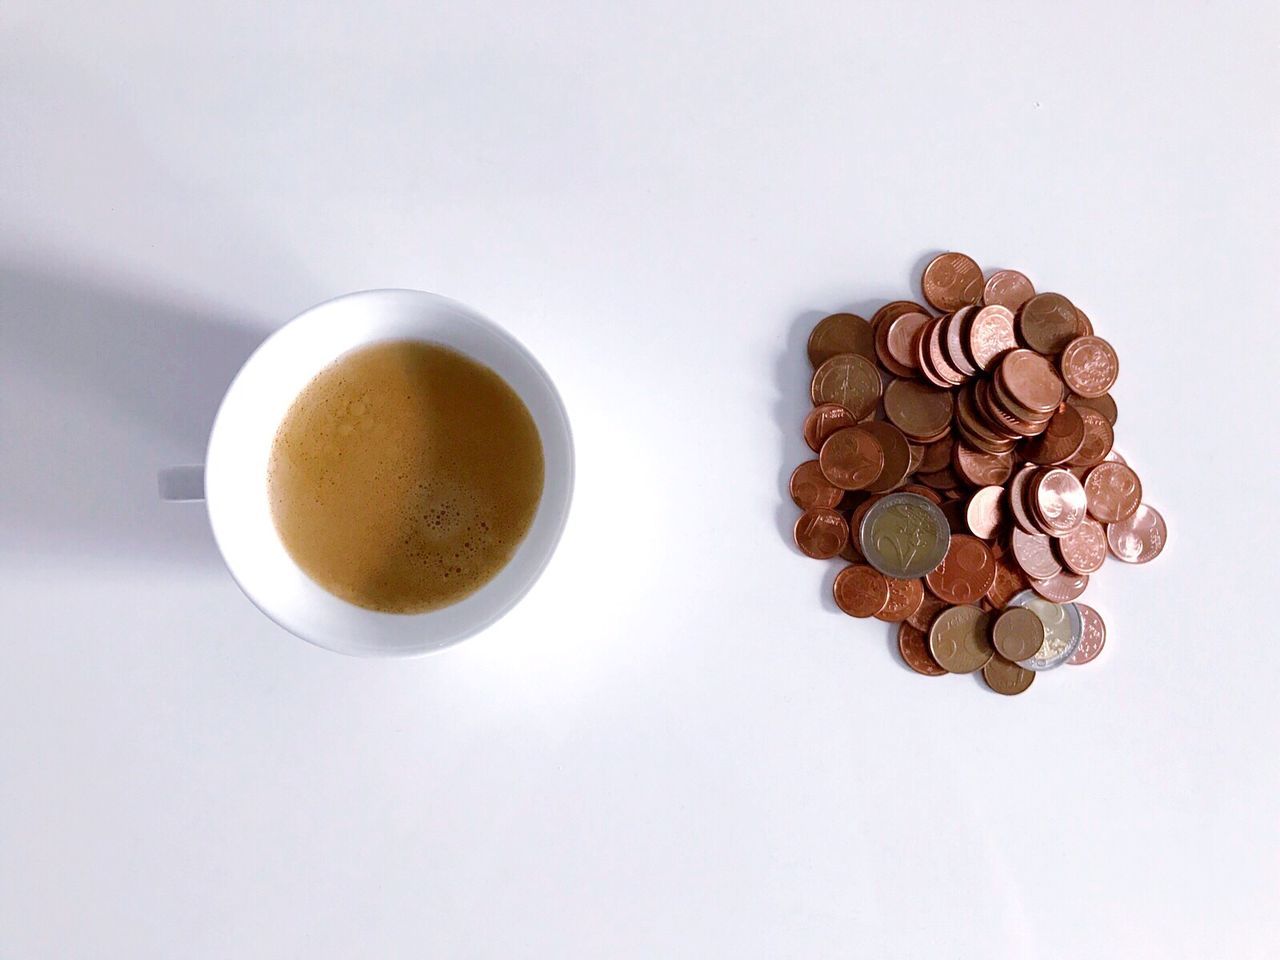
column 404, row 476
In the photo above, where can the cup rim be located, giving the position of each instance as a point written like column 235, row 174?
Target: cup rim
column 551, row 538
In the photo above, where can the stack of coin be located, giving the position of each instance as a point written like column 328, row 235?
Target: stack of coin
column 964, row 471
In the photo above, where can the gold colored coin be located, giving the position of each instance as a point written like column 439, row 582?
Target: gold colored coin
column 958, row 639
column 1006, row 677
column 1018, row 633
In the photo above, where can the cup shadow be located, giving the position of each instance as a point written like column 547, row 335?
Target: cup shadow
column 103, row 387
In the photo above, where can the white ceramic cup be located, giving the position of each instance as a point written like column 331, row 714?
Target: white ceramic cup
column 235, row 470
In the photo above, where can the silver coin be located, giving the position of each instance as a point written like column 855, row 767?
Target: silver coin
column 1063, row 630
column 904, row 535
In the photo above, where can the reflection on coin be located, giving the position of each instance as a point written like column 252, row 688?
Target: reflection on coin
column 1095, row 635
column 1006, row 677
column 958, row 639
column 1114, row 490
column 1063, row 630
column 1139, row 538
column 904, row 535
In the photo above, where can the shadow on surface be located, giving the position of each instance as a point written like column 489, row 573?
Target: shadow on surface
column 102, row 387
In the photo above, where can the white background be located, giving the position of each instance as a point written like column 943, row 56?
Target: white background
column 675, row 746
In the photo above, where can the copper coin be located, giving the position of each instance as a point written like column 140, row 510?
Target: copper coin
column 1017, row 633
column 897, row 455
column 1061, row 440
column 1007, row 288
column 1062, row 587
column 1114, row 491
column 1084, row 549
column 1034, row 555
column 861, row 591
column 1086, row 325
column 824, row 420
column 901, row 335
column 1009, row 582
column 1048, row 322
column 840, row 333
column 955, row 341
column 958, row 639
column 851, row 458
column 936, row 455
column 1089, row 366
column 821, row 533
column 923, row 363
column 991, row 335
column 849, row 380
column 1005, row 413
column 1007, row 678
column 985, row 512
column 905, row 597
column 937, row 355
column 893, row 310
column 1018, row 499
column 917, row 456
column 1114, row 455
column 1059, row 500
column 966, row 572
column 850, row 553
column 855, row 521
column 917, row 409
column 1140, row 538
column 913, row 645
column 974, row 416
column 930, row 607
column 981, row 469
column 1103, row 404
column 1098, row 438
column 1093, row 638
column 951, row 280
column 923, row 491
column 887, row 362
column 944, row 479
column 1030, row 381
column 810, row 489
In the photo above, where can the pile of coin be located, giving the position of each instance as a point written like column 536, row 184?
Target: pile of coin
column 965, row 471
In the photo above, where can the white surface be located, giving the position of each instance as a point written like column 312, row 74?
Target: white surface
column 674, row 747
column 244, row 433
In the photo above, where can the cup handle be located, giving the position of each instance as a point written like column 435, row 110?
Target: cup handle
column 180, row 484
